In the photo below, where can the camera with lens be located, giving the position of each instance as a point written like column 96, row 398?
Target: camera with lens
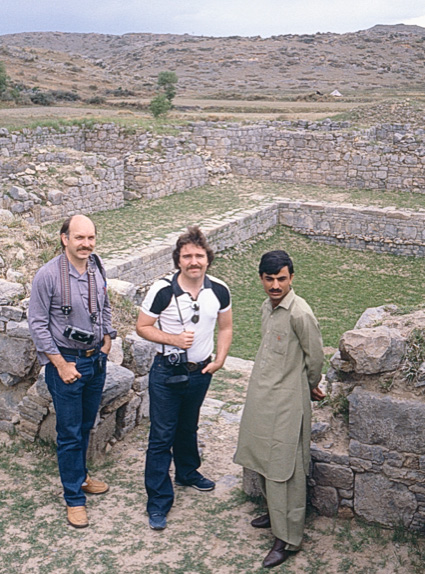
column 177, row 361
column 80, row 335
column 175, row 358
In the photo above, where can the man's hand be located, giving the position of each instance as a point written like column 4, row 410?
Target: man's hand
column 68, row 373
column 212, row 367
column 107, row 344
column 316, row 394
column 184, row 340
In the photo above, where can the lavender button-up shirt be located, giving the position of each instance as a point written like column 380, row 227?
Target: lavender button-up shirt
column 46, row 320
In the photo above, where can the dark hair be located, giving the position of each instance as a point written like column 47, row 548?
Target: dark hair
column 65, row 228
column 273, row 261
column 193, row 236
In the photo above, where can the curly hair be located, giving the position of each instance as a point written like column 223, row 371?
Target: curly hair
column 194, row 236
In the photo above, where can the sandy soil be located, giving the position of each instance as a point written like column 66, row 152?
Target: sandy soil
column 207, row 532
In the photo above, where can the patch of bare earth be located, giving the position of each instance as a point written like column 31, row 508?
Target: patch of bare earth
column 207, row 532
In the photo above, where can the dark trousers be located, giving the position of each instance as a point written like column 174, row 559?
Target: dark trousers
column 174, row 416
column 76, row 405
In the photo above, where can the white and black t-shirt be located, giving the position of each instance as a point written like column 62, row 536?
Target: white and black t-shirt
column 213, row 298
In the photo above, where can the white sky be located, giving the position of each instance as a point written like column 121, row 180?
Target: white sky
column 206, row 17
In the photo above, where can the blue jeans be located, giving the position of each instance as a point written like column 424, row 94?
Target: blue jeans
column 174, row 416
column 76, row 406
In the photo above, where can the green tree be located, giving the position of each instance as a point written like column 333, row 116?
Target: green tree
column 159, row 105
column 3, row 78
column 167, row 82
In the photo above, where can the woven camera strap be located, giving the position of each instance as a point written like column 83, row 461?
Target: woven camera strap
column 178, row 309
column 66, row 302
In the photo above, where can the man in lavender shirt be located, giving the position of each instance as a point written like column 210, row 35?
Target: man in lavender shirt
column 70, row 322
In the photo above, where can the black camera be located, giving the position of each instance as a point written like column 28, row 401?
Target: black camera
column 79, row 335
column 175, row 358
column 177, row 362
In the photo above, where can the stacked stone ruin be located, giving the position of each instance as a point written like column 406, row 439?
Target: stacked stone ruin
column 102, row 165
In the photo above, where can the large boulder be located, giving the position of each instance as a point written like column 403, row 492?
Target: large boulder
column 379, row 499
column 9, row 291
column 372, row 351
column 393, row 423
column 139, row 354
column 118, row 383
column 17, row 355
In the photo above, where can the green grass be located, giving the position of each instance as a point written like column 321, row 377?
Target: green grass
column 140, row 221
column 338, row 283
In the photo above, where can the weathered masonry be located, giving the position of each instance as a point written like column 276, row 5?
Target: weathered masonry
column 116, row 163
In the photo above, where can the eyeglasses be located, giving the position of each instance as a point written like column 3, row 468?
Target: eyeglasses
column 195, row 316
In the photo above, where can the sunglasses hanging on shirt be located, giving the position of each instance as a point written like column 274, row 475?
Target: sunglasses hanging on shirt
column 195, row 307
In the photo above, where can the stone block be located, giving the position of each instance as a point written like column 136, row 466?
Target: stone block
column 18, row 193
column 325, row 500
column 100, row 437
column 10, row 291
column 141, row 383
column 17, row 356
column 118, row 383
column 139, row 354
column 371, row 351
column 359, row 450
column 18, row 329
column 251, row 482
column 116, row 354
column 10, row 313
column 333, row 475
column 378, row 499
column 396, row 424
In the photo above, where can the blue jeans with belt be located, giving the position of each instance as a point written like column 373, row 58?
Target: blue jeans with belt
column 76, row 405
column 174, row 416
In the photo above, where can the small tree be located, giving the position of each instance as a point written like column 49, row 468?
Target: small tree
column 3, row 78
column 166, row 82
column 159, row 105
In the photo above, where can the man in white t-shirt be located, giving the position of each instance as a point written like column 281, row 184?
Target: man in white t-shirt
column 179, row 314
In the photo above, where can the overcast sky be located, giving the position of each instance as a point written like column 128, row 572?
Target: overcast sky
column 206, row 17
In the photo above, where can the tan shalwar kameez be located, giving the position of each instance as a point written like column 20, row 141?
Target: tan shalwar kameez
column 274, row 436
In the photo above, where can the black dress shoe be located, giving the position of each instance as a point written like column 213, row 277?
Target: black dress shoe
column 261, row 521
column 277, row 555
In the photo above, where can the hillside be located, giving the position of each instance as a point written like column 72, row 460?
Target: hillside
column 384, row 59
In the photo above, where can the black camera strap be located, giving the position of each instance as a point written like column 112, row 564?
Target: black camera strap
column 66, row 303
column 178, row 309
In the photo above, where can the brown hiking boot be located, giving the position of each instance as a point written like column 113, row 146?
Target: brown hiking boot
column 93, row 486
column 77, row 516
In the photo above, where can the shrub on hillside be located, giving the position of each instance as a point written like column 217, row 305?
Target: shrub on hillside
column 159, row 105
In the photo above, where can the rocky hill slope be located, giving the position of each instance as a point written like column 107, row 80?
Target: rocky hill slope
column 387, row 59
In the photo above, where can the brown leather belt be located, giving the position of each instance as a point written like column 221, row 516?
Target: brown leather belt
column 78, row 352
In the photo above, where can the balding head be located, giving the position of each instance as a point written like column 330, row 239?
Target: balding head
column 74, row 222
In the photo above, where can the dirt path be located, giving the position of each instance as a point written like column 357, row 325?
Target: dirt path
column 207, row 532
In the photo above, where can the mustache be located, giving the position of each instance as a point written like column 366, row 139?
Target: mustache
column 84, row 249
column 275, row 290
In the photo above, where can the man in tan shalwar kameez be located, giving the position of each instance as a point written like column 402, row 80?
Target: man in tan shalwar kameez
column 274, row 437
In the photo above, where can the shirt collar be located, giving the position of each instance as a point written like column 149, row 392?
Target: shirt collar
column 286, row 301
column 177, row 290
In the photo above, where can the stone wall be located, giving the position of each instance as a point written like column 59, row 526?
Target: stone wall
column 384, row 230
column 372, row 467
column 144, row 179
column 146, row 265
column 385, row 157
column 26, row 405
column 61, row 183
column 381, row 474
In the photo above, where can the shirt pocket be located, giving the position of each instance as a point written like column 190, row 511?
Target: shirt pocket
column 278, row 342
